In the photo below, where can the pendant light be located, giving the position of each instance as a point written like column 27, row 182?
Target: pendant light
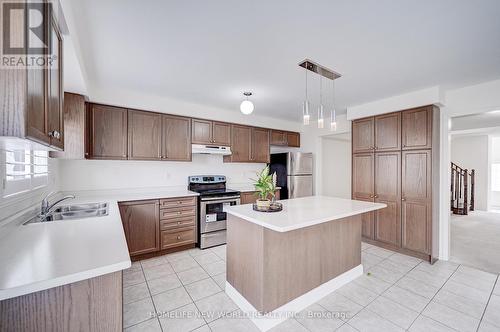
column 246, row 106
column 305, row 106
column 333, row 119
column 321, row 121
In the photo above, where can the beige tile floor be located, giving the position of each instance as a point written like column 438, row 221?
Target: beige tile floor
column 396, row 293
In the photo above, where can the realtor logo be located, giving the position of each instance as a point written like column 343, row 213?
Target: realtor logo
column 26, row 41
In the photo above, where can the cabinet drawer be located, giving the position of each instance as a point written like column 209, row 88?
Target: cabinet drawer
column 177, row 202
column 172, row 224
column 178, row 238
column 175, row 213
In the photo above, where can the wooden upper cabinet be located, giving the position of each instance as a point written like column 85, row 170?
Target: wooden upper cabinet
column 293, row 139
column 260, row 145
column 221, row 133
column 211, row 132
column 108, row 132
column 388, row 191
column 363, row 172
column 144, row 135
column 388, row 132
column 241, row 144
column 202, row 132
column 74, row 128
column 176, row 138
column 278, row 137
column 55, row 90
column 416, row 192
column 284, row 138
column 363, row 135
column 417, row 128
column 141, row 223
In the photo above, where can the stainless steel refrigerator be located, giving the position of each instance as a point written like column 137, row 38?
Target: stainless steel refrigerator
column 294, row 173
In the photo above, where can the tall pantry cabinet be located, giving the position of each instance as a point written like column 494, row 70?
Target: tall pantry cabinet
column 392, row 164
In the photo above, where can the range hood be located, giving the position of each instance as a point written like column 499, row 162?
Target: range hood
column 210, row 149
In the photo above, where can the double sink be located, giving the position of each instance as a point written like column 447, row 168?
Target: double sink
column 76, row 211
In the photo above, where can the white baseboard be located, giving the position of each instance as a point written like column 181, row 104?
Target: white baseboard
column 275, row 317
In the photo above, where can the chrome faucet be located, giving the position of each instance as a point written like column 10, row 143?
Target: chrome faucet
column 47, row 207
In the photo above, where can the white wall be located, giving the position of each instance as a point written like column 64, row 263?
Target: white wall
column 494, row 158
column 471, row 152
column 110, row 174
column 336, row 166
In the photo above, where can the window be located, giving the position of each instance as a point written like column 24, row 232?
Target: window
column 24, row 170
column 495, row 177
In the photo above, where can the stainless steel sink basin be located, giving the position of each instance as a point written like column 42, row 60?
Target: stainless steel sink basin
column 81, row 207
column 76, row 211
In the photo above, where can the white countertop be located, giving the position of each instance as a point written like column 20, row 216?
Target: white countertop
column 303, row 212
column 40, row 256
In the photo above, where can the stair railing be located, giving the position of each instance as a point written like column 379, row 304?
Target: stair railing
column 462, row 189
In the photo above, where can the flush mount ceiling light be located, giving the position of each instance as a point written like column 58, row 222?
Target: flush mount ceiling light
column 322, row 71
column 246, row 106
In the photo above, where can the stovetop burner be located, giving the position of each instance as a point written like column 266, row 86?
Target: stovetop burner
column 210, row 185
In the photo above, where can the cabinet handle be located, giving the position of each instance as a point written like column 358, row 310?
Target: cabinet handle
column 376, row 196
column 55, row 134
column 180, row 202
column 179, row 212
column 178, row 238
column 403, row 199
column 404, row 145
column 371, row 196
column 178, row 223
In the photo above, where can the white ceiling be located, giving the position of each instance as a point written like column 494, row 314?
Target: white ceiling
column 209, row 52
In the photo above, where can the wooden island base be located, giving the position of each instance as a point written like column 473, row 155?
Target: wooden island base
column 269, row 269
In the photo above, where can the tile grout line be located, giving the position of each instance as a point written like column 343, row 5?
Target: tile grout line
column 393, row 284
column 433, row 299
column 487, row 303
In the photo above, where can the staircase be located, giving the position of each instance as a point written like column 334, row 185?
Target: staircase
column 462, row 190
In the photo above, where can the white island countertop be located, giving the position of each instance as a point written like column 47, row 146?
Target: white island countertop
column 303, row 212
column 40, row 256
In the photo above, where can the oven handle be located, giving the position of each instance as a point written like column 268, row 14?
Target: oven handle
column 220, row 199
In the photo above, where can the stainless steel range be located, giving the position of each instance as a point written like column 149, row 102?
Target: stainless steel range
column 213, row 197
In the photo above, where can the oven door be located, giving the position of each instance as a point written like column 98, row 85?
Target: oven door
column 212, row 215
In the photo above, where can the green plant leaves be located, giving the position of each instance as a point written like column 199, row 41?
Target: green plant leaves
column 265, row 184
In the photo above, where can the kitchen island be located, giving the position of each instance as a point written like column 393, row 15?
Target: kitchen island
column 280, row 263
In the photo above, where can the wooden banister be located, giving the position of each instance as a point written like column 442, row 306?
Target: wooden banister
column 462, row 189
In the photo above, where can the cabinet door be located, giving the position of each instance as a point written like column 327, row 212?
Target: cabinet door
column 293, row 139
column 221, row 133
column 36, row 115
column 367, row 222
column 417, row 128
column 108, row 132
column 248, row 197
column 176, row 138
column 241, row 144
column 388, row 132
column 260, row 145
column 74, row 125
column 362, row 176
column 144, row 135
column 141, row 223
column 55, row 90
column 363, row 135
column 416, row 199
column 278, row 137
column 388, row 191
column 202, row 132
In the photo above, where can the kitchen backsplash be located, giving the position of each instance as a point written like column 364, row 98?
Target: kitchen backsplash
column 110, row 174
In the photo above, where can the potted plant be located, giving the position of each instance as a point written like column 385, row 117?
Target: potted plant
column 265, row 185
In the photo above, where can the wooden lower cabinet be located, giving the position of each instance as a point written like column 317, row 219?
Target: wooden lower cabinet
column 154, row 225
column 141, row 223
column 388, row 191
column 177, row 237
column 250, row 197
column 93, row 304
column 416, row 200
